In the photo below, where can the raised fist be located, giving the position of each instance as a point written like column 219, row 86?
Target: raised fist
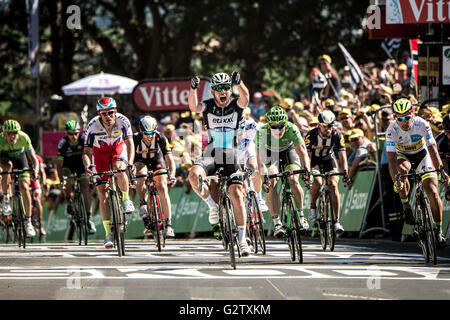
column 194, row 82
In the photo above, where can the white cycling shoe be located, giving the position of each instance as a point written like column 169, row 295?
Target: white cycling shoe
column 304, row 223
column 6, row 206
column 213, row 215
column 244, row 249
column 30, row 230
column 170, row 233
column 338, row 228
column 128, row 206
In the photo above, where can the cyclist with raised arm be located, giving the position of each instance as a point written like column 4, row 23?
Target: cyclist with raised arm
column 223, row 116
column 280, row 147
column 17, row 152
column 153, row 153
column 323, row 143
column 109, row 140
column 410, row 144
column 69, row 162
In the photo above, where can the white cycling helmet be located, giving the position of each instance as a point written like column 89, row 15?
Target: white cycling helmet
column 327, row 117
column 220, row 78
column 148, row 124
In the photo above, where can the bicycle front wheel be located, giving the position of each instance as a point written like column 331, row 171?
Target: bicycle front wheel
column 295, row 231
column 331, row 234
column 260, row 240
column 285, row 216
column 19, row 225
column 83, row 219
column 157, row 221
column 431, row 239
column 228, row 228
column 321, row 222
column 117, row 224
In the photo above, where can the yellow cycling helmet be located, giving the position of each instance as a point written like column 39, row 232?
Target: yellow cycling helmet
column 402, row 106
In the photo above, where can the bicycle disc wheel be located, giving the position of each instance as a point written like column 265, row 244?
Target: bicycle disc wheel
column 228, row 218
column 321, row 223
column 156, row 223
column 258, row 221
column 295, row 231
column 431, row 240
column 331, row 235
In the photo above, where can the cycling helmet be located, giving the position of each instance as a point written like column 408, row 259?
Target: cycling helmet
column 327, row 117
column 276, row 115
column 148, row 124
column 220, row 78
column 446, row 123
column 106, row 103
column 402, row 106
column 72, row 125
column 11, row 126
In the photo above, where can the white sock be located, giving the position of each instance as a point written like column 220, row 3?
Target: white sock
column 211, row 203
column 241, row 234
column 276, row 219
column 300, row 212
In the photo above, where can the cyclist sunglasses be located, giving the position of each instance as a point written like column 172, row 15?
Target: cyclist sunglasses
column 221, row 87
column 149, row 133
column 326, row 125
column 107, row 113
column 278, row 127
column 400, row 119
column 10, row 133
column 73, row 133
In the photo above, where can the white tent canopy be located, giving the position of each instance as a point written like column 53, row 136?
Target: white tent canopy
column 100, row 84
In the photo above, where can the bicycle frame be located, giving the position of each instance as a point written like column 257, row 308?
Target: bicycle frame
column 157, row 221
column 423, row 228
column 18, row 218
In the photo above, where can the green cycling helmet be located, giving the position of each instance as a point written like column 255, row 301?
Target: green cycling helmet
column 276, row 116
column 71, row 125
column 402, row 106
column 11, row 126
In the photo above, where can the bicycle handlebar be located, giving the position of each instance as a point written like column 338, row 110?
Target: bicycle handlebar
column 414, row 174
column 17, row 171
column 286, row 174
column 328, row 174
column 151, row 174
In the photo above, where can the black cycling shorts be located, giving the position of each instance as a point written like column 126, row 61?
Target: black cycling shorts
column 325, row 164
column 20, row 162
column 152, row 164
column 221, row 158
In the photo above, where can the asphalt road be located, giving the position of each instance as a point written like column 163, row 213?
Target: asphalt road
column 199, row 269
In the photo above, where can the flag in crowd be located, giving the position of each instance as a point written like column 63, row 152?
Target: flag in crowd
column 390, row 45
column 355, row 71
column 414, row 44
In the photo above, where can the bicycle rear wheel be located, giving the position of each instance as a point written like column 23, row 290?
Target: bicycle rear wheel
column 295, row 231
column 228, row 228
column 260, row 239
column 117, row 223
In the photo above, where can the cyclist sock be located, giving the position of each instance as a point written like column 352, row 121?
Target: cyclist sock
column 107, row 226
column 300, row 212
column 276, row 219
column 211, row 203
column 169, row 222
column 405, row 201
column 125, row 196
column 241, row 233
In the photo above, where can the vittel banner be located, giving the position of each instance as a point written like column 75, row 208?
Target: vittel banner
column 417, row 11
column 167, row 95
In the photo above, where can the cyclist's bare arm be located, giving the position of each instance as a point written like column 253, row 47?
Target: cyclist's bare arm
column 342, row 158
column 130, row 149
column 393, row 167
column 435, row 158
column 244, row 95
column 31, row 156
column 303, row 154
column 170, row 163
column 87, row 156
column 193, row 102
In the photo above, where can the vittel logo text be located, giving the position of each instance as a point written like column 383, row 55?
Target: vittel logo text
column 163, row 96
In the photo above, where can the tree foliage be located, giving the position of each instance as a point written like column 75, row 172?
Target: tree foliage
column 273, row 42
